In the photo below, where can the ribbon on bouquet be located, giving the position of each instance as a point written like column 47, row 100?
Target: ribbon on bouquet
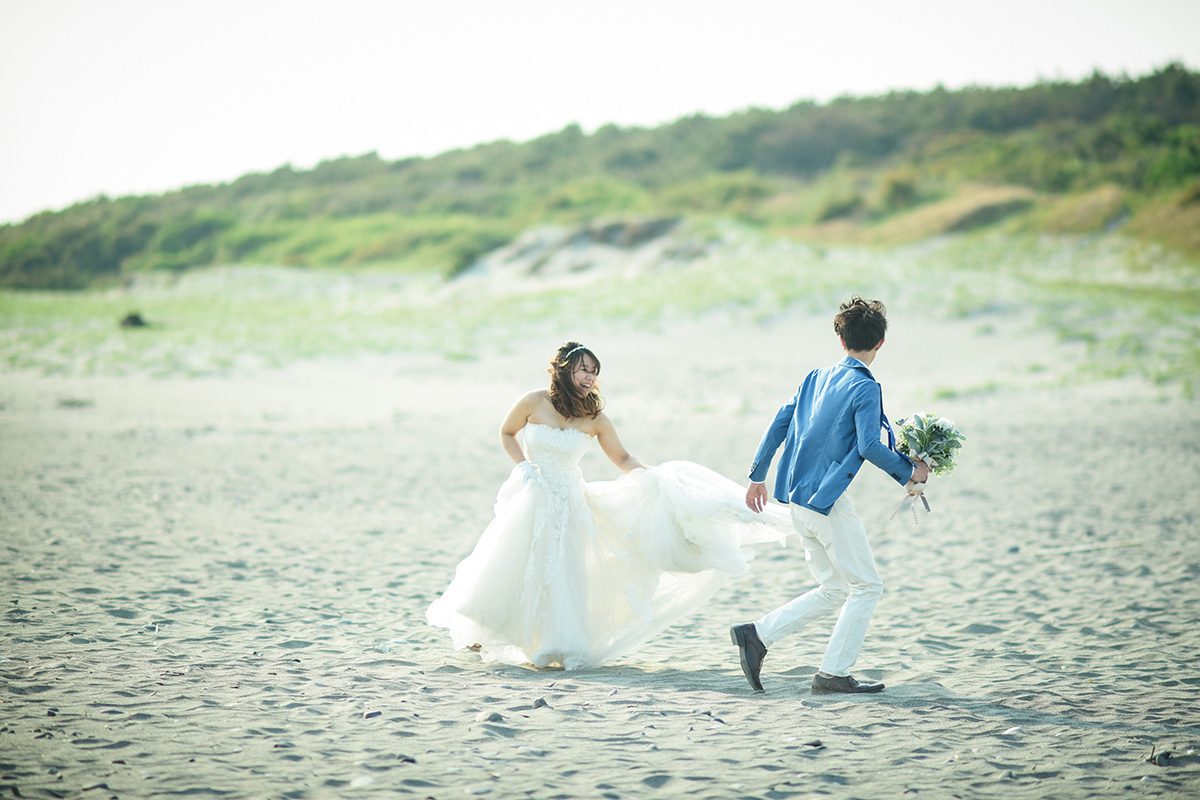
column 915, row 490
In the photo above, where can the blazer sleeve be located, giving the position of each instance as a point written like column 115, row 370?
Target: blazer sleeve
column 868, row 410
column 772, row 438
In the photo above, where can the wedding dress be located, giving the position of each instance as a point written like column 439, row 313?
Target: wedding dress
column 575, row 574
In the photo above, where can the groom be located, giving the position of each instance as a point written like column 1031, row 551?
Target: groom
column 827, row 430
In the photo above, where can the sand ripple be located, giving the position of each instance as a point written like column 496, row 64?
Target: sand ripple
column 231, row 605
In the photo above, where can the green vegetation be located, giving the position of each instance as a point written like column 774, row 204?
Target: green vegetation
column 1119, row 306
column 1055, row 157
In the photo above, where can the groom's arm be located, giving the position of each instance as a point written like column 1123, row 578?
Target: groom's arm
column 772, row 438
column 868, row 405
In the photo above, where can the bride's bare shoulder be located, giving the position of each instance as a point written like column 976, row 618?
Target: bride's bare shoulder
column 530, row 403
column 537, row 397
column 533, row 397
column 602, row 423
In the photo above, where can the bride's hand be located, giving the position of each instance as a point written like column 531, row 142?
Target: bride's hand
column 528, row 471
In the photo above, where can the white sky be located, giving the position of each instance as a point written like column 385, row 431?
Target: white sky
column 143, row 96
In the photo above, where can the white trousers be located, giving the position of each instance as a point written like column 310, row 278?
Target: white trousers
column 839, row 556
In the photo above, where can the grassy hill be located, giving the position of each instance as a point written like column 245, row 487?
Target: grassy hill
column 1098, row 155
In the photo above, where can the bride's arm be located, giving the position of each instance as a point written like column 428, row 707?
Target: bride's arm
column 610, row 443
column 514, row 421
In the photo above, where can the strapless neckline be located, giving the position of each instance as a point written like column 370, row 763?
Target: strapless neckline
column 553, row 428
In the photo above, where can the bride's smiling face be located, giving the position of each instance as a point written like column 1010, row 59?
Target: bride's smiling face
column 584, row 375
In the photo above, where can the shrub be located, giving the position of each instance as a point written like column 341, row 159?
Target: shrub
column 839, row 206
column 183, row 234
column 1180, row 162
column 593, row 196
column 898, row 190
column 735, row 193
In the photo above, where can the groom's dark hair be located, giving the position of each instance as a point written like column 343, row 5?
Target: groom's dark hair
column 862, row 324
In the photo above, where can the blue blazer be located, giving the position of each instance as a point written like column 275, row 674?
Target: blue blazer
column 827, row 430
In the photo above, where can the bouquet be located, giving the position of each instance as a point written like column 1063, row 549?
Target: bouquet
column 928, row 438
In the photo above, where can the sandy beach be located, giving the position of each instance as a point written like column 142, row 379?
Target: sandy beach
column 216, row 586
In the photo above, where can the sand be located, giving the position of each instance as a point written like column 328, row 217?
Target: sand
column 216, row 586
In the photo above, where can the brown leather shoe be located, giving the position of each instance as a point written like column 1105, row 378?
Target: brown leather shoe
column 752, row 652
column 843, row 684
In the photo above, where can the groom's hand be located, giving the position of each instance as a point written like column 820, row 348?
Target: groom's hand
column 756, row 497
column 920, row 472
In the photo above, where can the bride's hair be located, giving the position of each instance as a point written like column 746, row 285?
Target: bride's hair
column 861, row 323
column 562, row 388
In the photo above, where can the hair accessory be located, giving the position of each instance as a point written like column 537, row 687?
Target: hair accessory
column 573, row 351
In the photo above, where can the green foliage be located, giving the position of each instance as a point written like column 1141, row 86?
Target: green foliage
column 862, row 158
column 1190, row 196
column 1131, row 308
column 733, row 193
column 441, row 244
column 839, row 206
column 1179, row 161
column 591, row 196
column 898, row 190
column 189, row 240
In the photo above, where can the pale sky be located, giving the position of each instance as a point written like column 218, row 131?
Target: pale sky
column 143, row 96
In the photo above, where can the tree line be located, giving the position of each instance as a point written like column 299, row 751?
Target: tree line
column 775, row 168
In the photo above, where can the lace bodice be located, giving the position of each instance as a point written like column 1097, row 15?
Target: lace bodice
column 553, row 449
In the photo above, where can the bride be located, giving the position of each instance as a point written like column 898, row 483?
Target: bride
column 574, row 574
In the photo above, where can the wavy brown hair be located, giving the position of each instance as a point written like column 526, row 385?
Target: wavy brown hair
column 562, row 389
column 862, row 324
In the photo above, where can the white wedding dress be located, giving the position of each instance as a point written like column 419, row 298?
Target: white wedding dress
column 575, row 574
